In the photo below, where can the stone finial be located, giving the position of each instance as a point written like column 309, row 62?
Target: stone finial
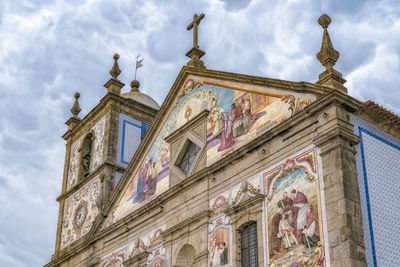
column 195, row 53
column 135, row 84
column 75, row 108
column 74, row 120
column 328, row 57
column 115, row 71
column 114, row 85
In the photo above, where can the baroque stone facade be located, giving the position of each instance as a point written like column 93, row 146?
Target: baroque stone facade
column 228, row 158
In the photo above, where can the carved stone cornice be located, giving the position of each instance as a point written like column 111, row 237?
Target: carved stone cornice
column 300, row 87
column 93, row 261
column 137, row 260
column 195, row 218
column 336, row 137
column 201, row 257
column 246, row 202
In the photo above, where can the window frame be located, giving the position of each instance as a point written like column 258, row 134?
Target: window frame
column 187, row 155
column 242, row 229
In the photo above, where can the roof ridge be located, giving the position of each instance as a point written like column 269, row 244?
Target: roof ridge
column 382, row 112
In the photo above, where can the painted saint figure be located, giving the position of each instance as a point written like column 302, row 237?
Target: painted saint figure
column 286, row 203
column 310, row 236
column 275, row 236
column 216, row 257
column 216, row 118
column 248, row 118
column 141, row 184
column 224, row 253
column 237, row 118
column 300, row 208
column 151, row 178
column 227, row 139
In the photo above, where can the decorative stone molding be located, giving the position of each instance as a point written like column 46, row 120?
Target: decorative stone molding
column 137, row 260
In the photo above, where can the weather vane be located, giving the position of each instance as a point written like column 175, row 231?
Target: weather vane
column 138, row 64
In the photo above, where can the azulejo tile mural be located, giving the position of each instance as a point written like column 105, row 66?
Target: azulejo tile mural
column 293, row 218
column 238, row 114
column 219, row 231
column 150, row 242
column 97, row 154
column 73, row 163
column 80, row 211
column 116, row 258
column 220, row 241
column 98, row 144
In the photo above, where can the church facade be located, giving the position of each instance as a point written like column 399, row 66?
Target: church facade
column 231, row 170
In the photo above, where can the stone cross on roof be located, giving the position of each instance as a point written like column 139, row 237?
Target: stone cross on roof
column 195, row 53
column 195, row 25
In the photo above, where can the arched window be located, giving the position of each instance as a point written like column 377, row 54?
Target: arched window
column 248, row 244
column 86, row 156
column 185, row 256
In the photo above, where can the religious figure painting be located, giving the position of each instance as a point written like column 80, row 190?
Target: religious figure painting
column 156, row 257
column 237, row 116
column 294, row 232
column 219, row 246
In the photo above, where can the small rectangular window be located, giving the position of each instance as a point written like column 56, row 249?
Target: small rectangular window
column 249, row 248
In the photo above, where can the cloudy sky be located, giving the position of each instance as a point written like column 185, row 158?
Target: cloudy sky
column 51, row 49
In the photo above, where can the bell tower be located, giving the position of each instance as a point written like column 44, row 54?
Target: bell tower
column 99, row 148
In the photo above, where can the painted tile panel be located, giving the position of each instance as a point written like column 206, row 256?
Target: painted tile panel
column 97, row 153
column 98, row 145
column 238, row 114
column 74, row 163
column 293, row 216
column 80, row 211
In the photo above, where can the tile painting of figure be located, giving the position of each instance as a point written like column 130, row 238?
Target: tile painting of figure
column 219, row 241
column 293, row 215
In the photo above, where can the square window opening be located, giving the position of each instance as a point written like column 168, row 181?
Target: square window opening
column 190, row 152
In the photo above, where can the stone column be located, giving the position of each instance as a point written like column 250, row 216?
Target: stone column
column 336, row 142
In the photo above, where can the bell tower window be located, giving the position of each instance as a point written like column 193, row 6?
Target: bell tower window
column 86, row 156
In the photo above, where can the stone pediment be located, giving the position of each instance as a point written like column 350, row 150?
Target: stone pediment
column 241, row 107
